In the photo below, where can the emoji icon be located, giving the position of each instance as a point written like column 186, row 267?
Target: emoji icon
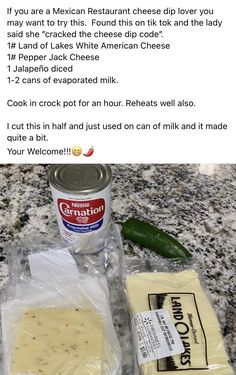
column 90, row 152
column 76, row 150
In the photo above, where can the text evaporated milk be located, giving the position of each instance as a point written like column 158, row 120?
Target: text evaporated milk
column 81, row 195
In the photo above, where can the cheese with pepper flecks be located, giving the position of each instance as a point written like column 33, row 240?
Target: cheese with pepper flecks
column 58, row 342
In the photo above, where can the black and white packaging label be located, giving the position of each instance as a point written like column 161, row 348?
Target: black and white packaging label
column 155, row 336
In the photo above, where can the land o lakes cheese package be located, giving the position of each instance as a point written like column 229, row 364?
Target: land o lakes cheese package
column 57, row 320
column 165, row 307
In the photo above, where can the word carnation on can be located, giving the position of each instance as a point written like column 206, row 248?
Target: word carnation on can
column 81, row 195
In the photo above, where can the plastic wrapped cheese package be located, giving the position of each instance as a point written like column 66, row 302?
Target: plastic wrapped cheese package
column 56, row 319
column 165, row 300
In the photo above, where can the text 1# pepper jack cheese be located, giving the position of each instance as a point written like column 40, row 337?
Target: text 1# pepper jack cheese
column 193, row 316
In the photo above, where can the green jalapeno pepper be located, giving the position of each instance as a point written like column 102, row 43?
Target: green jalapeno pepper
column 146, row 235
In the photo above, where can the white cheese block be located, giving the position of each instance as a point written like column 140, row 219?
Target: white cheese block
column 193, row 316
column 58, row 342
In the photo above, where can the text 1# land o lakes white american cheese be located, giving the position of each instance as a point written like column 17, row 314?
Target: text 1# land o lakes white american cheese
column 81, row 195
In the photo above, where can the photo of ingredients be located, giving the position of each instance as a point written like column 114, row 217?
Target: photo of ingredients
column 124, row 269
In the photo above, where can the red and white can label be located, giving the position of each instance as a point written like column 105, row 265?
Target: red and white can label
column 82, row 216
column 79, row 215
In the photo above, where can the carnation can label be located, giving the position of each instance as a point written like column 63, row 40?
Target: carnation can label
column 81, row 195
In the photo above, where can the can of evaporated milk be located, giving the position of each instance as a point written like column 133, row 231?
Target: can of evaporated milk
column 81, row 195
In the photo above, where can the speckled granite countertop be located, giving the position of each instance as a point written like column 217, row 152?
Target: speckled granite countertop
column 195, row 203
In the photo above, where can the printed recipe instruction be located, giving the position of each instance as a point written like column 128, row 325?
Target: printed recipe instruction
column 117, row 82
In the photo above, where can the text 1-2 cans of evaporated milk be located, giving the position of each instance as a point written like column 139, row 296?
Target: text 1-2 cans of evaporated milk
column 81, row 195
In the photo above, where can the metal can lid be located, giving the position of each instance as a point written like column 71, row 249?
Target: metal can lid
column 80, row 178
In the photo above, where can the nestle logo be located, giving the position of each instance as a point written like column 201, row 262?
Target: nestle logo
column 81, row 212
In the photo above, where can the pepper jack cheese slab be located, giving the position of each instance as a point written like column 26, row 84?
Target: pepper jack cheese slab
column 58, row 342
column 193, row 316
